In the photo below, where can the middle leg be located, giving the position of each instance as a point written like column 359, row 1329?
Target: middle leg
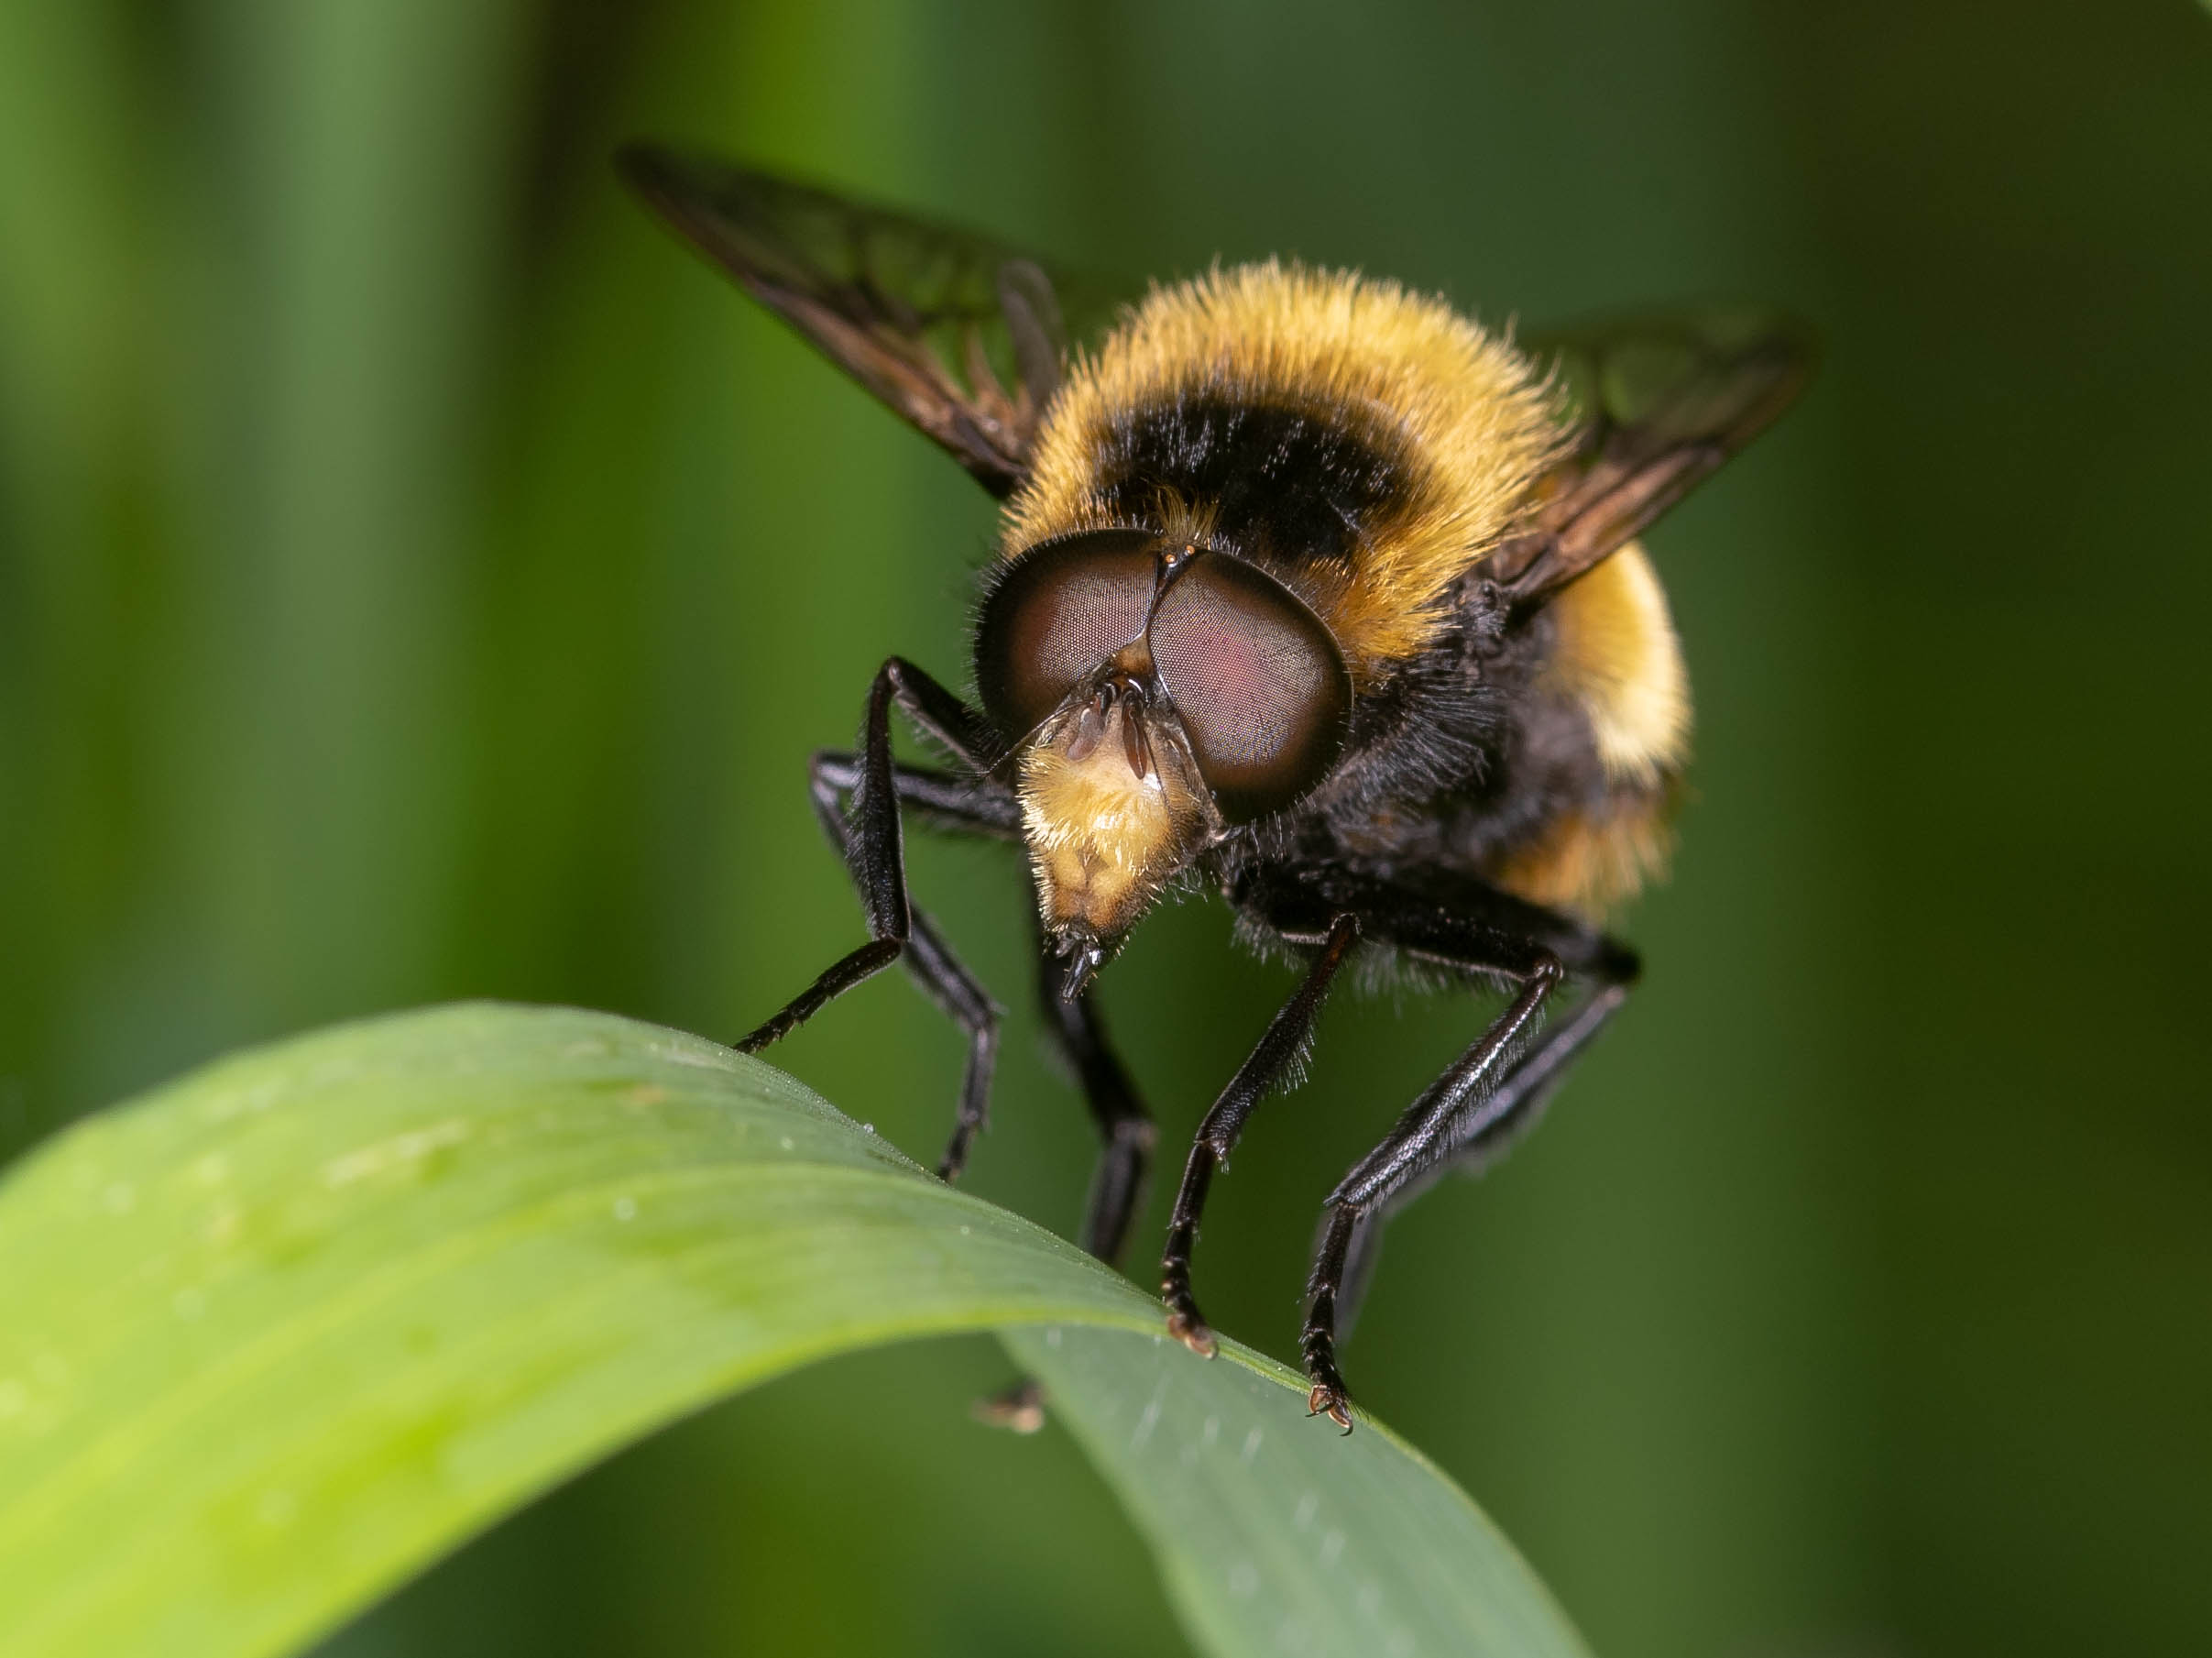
column 1486, row 1098
column 1410, row 1147
column 1474, row 1140
column 1279, row 1048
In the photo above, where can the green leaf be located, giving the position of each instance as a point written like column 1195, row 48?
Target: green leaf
column 287, row 1331
column 1274, row 1534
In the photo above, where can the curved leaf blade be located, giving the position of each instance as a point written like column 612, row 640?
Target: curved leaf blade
column 286, row 1330
column 1273, row 1533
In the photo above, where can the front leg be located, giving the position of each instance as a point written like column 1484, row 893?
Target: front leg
column 872, row 841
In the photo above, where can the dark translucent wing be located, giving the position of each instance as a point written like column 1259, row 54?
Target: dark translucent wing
column 961, row 335
column 1657, row 402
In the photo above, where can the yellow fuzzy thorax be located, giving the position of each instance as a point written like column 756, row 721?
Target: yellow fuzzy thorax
column 1471, row 419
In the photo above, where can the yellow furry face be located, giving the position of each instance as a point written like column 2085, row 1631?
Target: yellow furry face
column 1104, row 841
column 1460, row 421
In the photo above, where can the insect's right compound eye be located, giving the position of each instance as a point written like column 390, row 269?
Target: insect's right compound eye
column 1061, row 611
column 1258, row 683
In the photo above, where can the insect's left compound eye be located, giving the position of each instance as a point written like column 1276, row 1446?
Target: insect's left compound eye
column 1257, row 681
column 1061, row 611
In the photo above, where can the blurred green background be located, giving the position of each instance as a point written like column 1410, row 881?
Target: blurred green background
column 420, row 578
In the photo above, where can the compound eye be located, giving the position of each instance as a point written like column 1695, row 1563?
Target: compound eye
column 1258, row 682
column 1061, row 611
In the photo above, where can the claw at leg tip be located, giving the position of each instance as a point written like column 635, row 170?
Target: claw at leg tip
column 1325, row 1400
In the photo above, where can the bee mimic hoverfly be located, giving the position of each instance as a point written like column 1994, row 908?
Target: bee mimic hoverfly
column 1309, row 591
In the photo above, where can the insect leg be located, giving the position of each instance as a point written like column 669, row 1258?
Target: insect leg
column 1488, row 1095
column 1404, row 1153
column 961, row 805
column 1124, row 1126
column 982, row 808
column 1472, row 1141
column 947, row 803
column 1284, row 1038
column 873, row 845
